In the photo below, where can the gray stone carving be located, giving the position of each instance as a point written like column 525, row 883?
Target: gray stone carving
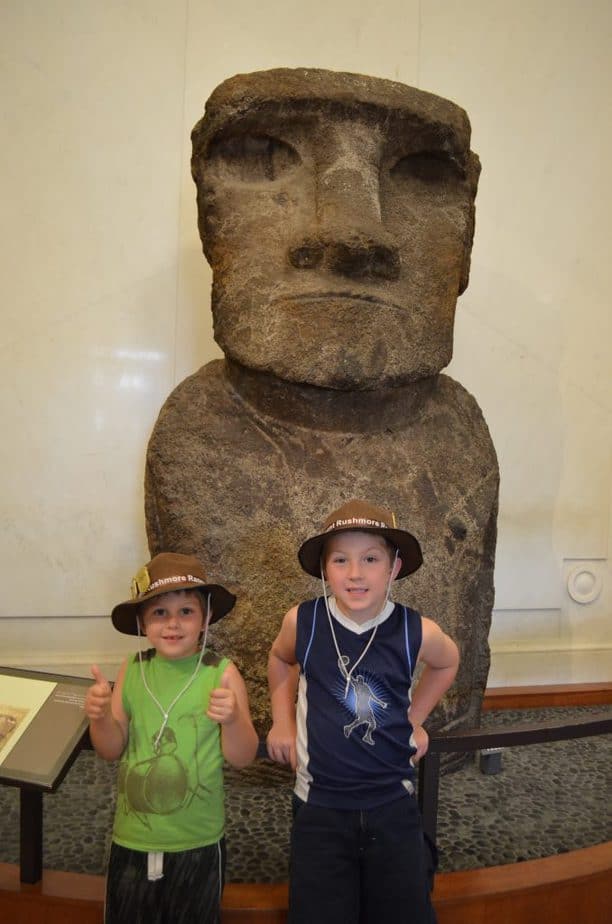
column 337, row 213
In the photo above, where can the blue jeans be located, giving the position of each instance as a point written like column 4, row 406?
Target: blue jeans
column 360, row 867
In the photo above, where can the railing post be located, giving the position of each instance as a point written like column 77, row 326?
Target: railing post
column 30, row 834
column 429, row 782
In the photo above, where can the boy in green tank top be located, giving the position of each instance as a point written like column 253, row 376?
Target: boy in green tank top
column 176, row 712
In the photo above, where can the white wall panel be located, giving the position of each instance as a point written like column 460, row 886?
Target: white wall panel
column 533, row 333
column 91, row 160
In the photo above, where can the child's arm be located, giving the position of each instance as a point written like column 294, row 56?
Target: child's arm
column 229, row 706
column 108, row 723
column 440, row 657
column 282, row 680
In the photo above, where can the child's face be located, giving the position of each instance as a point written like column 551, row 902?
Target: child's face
column 173, row 622
column 358, row 567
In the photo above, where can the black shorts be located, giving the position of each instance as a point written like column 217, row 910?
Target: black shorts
column 188, row 893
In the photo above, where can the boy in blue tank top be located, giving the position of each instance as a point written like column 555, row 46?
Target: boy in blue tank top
column 358, row 854
column 175, row 713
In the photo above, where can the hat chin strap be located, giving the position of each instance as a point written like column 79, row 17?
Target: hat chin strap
column 343, row 659
column 166, row 712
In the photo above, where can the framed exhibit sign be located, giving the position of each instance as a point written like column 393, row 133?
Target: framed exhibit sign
column 42, row 724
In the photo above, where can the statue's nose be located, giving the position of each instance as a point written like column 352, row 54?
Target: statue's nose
column 347, row 235
column 349, row 253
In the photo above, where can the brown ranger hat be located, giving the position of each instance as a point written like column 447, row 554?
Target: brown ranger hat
column 166, row 572
column 367, row 518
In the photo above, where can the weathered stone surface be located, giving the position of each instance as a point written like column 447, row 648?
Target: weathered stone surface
column 240, row 470
column 337, row 212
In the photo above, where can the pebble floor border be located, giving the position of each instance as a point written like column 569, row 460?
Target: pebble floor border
column 548, row 799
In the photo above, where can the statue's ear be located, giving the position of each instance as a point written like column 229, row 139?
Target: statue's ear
column 473, row 173
column 467, row 259
column 467, row 252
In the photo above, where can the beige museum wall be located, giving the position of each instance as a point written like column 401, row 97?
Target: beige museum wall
column 105, row 292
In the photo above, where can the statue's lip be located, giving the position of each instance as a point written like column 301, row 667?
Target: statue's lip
column 335, row 295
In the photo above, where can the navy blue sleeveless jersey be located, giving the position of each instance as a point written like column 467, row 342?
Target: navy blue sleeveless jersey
column 355, row 745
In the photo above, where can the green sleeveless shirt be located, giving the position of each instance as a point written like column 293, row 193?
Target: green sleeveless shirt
column 170, row 799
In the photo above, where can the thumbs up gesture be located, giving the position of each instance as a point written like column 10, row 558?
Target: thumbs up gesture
column 98, row 698
column 223, row 706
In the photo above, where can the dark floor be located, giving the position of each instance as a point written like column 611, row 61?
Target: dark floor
column 548, row 799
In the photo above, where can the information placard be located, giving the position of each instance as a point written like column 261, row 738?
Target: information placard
column 42, row 723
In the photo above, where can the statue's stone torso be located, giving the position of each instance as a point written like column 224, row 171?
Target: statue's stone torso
column 241, row 469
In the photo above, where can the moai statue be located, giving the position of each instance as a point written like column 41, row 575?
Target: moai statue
column 337, row 214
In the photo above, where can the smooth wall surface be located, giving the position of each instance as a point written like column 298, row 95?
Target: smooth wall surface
column 105, row 292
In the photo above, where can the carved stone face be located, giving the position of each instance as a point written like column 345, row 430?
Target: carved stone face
column 337, row 213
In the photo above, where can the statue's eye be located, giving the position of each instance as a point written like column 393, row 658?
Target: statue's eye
column 431, row 168
column 253, row 158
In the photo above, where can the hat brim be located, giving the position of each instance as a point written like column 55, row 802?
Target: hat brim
column 124, row 614
column 408, row 547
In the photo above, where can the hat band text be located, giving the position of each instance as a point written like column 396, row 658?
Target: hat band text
column 357, row 521
column 176, row 579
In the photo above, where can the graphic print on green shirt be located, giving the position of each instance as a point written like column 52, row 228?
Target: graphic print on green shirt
column 170, row 798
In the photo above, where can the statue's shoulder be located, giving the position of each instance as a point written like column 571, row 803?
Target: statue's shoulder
column 209, row 383
column 449, row 437
column 205, row 396
column 452, row 398
column 449, row 389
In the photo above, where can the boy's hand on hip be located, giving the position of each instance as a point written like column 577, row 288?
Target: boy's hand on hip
column 98, row 697
column 281, row 745
column 421, row 742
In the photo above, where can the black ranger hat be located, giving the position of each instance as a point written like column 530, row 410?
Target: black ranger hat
column 166, row 572
column 365, row 517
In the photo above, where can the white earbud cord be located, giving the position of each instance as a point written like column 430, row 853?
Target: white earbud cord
column 343, row 659
column 166, row 712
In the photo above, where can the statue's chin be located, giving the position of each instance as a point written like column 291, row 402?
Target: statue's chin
column 335, row 368
column 338, row 342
